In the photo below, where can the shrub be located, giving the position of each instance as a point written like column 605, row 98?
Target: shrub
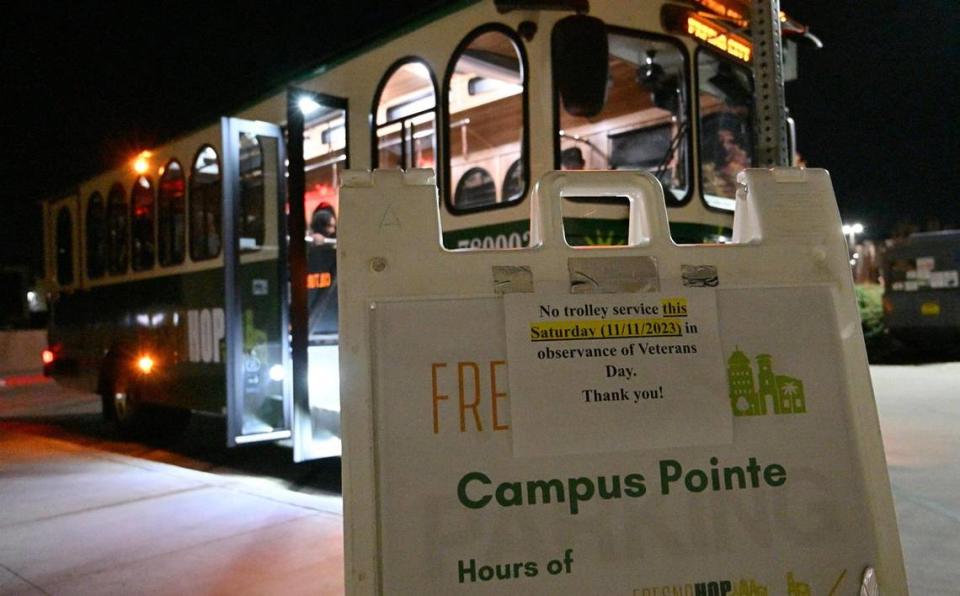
column 870, row 304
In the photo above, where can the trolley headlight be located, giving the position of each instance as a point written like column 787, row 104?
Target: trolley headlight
column 276, row 372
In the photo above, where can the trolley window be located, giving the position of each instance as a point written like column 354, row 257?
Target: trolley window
column 171, row 195
column 726, row 126
column 475, row 188
column 486, row 103
column 96, row 241
column 325, row 158
column 405, row 114
column 205, row 205
column 64, row 247
column 644, row 123
column 251, row 193
column 142, row 236
column 117, row 224
column 514, row 181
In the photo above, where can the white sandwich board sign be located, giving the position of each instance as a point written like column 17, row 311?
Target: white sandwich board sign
column 646, row 420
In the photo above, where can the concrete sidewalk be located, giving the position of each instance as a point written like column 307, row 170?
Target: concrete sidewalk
column 920, row 417
column 79, row 518
column 81, row 521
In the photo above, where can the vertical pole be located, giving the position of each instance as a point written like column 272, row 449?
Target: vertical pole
column 299, row 319
column 403, row 146
column 770, row 118
column 232, row 298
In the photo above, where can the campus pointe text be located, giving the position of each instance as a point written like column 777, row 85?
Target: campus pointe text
column 478, row 490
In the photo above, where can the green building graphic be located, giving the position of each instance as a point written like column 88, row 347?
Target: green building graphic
column 797, row 588
column 768, row 392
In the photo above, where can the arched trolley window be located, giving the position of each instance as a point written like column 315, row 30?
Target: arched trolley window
column 404, row 117
column 475, row 188
column 252, row 225
column 172, row 217
column 205, row 205
column 96, row 241
column 485, row 89
column 64, row 237
column 117, row 231
column 143, row 237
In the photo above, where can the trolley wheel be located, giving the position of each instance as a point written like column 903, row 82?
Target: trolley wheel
column 123, row 407
column 134, row 419
column 169, row 421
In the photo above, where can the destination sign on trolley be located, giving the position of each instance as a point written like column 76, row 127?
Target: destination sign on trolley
column 684, row 21
column 716, row 36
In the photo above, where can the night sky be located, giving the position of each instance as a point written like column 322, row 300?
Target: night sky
column 86, row 85
column 878, row 107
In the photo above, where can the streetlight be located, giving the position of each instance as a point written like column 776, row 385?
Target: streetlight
column 851, row 231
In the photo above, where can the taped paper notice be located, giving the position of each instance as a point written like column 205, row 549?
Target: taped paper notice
column 617, row 372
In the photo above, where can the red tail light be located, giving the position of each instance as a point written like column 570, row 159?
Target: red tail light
column 47, row 356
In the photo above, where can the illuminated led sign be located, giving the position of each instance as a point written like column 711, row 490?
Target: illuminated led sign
column 718, row 37
column 318, row 281
column 735, row 13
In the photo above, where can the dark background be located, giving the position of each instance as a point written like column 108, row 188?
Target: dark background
column 87, row 85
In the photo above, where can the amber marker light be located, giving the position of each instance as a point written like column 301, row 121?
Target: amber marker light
column 145, row 364
column 142, row 162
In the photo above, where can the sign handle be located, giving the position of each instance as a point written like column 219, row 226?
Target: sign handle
column 648, row 212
